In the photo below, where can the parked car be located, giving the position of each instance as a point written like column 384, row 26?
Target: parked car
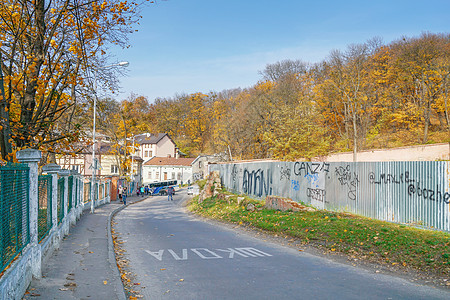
column 163, row 191
column 192, row 190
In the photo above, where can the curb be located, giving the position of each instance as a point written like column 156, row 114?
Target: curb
column 112, row 254
column 112, row 257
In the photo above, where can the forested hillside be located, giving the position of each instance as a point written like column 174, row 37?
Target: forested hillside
column 370, row 95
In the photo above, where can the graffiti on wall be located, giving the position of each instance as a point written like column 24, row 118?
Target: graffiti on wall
column 285, row 173
column 197, row 176
column 258, row 183
column 305, row 168
column 316, row 194
column 311, row 171
column 348, row 179
column 234, row 173
column 433, row 195
column 386, row 178
column 363, row 188
column 295, row 185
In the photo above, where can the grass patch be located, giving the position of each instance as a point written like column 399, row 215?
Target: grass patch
column 358, row 237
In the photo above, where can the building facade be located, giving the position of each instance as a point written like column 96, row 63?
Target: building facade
column 160, row 169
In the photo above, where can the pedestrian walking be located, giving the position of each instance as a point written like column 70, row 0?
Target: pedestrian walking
column 120, row 193
column 124, row 196
column 142, row 191
column 170, row 193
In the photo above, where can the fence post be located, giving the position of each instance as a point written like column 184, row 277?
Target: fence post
column 32, row 157
column 53, row 169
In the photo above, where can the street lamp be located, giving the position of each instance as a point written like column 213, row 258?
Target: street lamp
column 94, row 161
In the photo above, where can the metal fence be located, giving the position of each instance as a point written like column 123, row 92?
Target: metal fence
column 45, row 205
column 60, row 206
column 35, row 211
column 70, row 195
column 415, row 192
column 14, row 211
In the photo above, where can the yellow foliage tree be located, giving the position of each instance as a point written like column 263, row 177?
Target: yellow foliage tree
column 48, row 50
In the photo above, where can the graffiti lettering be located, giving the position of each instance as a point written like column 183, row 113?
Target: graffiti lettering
column 254, row 183
column 310, row 168
column 345, row 177
column 389, row 178
column 295, row 185
column 316, row 194
column 285, row 173
column 234, row 173
column 433, row 195
column 197, row 176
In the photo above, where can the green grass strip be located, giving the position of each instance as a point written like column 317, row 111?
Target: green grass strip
column 359, row 237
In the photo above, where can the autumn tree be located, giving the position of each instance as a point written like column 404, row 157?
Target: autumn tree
column 49, row 50
column 424, row 67
column 120, row 121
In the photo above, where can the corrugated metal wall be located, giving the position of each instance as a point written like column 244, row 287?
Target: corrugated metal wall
column 416, row 192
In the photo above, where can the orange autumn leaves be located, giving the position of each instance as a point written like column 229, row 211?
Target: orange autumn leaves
column 49, row 51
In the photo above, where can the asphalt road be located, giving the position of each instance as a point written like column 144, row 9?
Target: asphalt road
column 177, row 256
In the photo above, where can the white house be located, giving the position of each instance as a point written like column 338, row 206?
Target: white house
column 167, row 168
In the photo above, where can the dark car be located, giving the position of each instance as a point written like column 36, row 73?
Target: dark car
column 163, row 191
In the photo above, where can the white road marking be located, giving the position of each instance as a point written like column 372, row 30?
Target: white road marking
column 184, row 253
column 197, row 251
column 157, row 255
column 232, row 252
column 252, row 252
column 205, row 253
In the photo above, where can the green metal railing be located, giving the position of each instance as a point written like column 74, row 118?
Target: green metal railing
column 60, row 207
column 14, row 211
column 70, row 189
column 45, row 205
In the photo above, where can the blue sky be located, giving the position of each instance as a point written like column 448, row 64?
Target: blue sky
column 187, row 46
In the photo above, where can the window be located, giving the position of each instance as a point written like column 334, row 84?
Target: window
column 146, row 154
column 157, row 175
column 179, row 176
column 114, row 169
column 149, row 174
column 150, row 153
column 173, row 175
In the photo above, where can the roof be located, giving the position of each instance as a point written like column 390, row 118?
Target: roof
column 150, row 138
column 169, row 161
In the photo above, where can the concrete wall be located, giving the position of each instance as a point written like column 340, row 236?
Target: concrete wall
column 404, row 192
column 414, row 153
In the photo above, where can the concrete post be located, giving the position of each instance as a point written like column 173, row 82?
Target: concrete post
column 32, row 157
column 53, row 169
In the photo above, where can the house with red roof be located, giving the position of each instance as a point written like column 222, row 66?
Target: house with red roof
column 159, row 169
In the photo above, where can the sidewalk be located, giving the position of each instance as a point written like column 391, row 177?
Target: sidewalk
column 84, row 267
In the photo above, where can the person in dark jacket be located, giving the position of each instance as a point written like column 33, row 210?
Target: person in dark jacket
column 170, row 193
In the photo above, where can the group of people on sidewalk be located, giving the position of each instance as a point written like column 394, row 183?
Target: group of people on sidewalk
column 144, row 190
column 123, row 193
